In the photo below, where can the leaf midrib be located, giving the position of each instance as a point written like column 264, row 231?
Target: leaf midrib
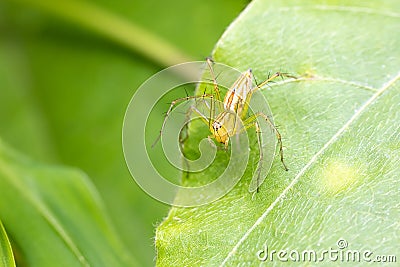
column 313, row 159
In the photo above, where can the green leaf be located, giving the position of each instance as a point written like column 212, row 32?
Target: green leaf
column 55, row 215
column 6, row 254
column 340, row 127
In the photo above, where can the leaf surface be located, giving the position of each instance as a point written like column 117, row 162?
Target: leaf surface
column 341, row 132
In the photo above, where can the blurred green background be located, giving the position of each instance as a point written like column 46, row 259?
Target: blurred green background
column 66, row 77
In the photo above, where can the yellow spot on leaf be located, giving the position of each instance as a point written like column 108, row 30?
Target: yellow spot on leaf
column 338, row 176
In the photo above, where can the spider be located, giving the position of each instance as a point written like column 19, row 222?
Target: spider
column 235, row 104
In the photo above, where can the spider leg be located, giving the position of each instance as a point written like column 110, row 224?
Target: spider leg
column 214, row 79
column 253, row 118
column 273, row 77
column 173, row 103
column 270, row 78
column 203, row 117
column 182, row 140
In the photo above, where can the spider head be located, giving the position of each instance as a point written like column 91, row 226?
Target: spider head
column 220, row 133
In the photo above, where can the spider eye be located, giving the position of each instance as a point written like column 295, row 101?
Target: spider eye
column 217, row 126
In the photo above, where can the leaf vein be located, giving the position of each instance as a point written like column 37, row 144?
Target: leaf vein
column 354, row 9
column 327, row 79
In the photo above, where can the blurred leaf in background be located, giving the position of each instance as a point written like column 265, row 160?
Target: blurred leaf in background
column 6, row 254
column 66, row 77
column 55, row 215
